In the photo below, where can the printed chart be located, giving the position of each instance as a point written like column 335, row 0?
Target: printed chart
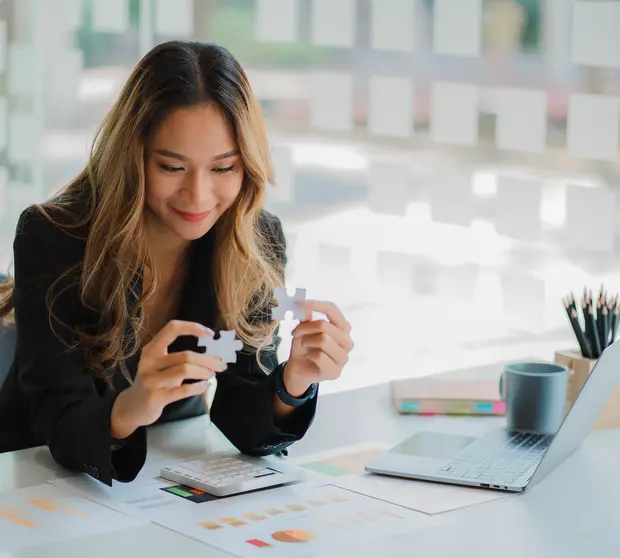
column 44, row 514
column 344, row 467
column 342, row 462
column 137, row 499
column 426, row 497
column 292, row 521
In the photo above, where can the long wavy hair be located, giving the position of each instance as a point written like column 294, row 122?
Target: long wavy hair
column 108, row 198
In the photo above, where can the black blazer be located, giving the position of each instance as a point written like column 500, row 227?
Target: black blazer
column 50, row 398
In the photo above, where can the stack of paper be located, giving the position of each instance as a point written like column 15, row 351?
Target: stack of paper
column 345, row 468
column 44, row 514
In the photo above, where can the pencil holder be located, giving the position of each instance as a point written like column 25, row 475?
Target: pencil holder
column 580, row 368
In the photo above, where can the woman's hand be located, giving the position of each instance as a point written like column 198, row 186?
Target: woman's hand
column 320, row 348
column 160, row 379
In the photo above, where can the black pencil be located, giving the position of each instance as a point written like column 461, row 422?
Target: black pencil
column 572, row 302
column 573, row 316
column 596, row 344
column 586, row 325
column 581, row 339
column 588, row 316
column 600, row 324
column 613, row 302
column 605, row 327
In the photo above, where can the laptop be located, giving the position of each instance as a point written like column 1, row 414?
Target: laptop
column 503, row 459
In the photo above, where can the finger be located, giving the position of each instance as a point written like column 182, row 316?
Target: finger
column 172, row 330
column 189, row 357
column 307, row 316
column 174, row 376
column 328, row 369
column 325, row 343
column 332, row 312
column 321, row 326
column 184, row 391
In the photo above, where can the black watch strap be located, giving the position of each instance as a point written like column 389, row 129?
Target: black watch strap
column 286, row 397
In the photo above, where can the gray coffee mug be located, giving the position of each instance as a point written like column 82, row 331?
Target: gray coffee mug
column 535, row 396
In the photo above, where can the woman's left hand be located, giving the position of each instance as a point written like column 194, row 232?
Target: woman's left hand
column 320, row 348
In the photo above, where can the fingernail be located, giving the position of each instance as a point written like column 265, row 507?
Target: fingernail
column 208, row 329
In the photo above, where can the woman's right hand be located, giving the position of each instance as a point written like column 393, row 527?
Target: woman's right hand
column 160, row 379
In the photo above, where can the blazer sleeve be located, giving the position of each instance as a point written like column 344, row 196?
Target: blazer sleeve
column 244, row 401
column 67, row 411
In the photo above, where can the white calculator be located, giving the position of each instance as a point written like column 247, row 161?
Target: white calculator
column 228, row 475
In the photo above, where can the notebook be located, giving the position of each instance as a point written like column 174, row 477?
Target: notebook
column 434, row 395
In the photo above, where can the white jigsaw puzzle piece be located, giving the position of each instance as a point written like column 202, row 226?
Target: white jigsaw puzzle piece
column 225, row 346
column 287, row 302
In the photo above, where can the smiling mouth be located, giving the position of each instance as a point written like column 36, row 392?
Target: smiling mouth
column 192, row 217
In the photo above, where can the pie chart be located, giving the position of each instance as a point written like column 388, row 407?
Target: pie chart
column 293, row 536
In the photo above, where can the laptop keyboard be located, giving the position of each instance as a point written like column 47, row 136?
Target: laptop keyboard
column 498, row 460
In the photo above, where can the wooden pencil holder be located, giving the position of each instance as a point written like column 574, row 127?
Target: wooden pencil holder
column 579, row 368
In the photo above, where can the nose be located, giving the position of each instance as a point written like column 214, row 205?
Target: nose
column 198, row 189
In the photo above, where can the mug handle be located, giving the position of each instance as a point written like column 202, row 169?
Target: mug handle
column 501, row 387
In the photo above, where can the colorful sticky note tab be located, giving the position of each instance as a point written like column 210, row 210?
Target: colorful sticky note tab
column 410, row 406
column 485, row 407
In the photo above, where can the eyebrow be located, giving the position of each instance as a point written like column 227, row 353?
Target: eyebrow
column 173, row 155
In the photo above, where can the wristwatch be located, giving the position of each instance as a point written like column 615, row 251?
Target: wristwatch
column 286, row 397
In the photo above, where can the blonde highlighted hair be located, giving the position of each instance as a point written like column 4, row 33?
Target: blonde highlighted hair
column 107, row 198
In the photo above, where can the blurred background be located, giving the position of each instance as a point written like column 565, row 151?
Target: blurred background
column 446, row 170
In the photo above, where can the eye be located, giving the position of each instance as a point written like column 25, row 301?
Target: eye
column 223, row 170
column 169, row 168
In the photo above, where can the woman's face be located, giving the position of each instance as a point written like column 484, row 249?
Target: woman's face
column 193, row 172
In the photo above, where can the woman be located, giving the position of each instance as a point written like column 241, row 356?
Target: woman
column 159, row 238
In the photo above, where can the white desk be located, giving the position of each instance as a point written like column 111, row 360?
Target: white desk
column 575, row 512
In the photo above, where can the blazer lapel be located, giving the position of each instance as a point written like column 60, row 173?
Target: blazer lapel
column 198, row 297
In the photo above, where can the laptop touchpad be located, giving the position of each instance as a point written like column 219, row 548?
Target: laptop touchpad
column 438, row 445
